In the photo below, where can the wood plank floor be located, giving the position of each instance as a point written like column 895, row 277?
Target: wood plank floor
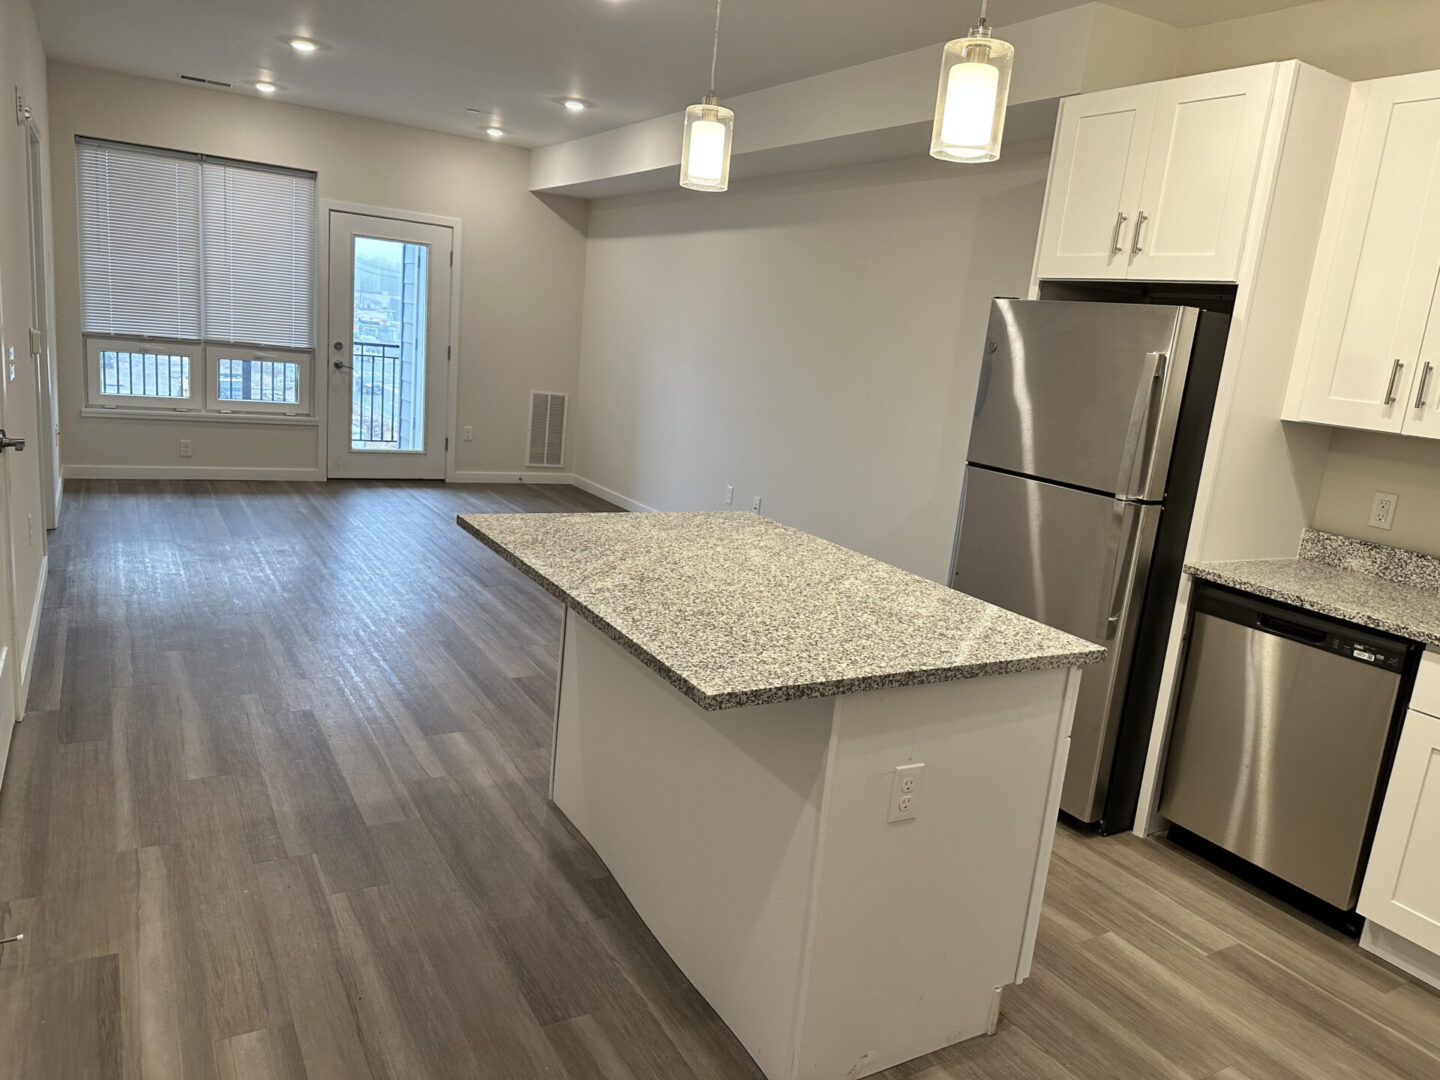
column 277, row 811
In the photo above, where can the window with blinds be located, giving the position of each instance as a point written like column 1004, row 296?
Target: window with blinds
column 199, row 251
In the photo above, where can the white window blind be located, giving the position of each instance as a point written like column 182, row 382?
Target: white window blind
column 139, row 218
column 194, row 248
column 259, row 273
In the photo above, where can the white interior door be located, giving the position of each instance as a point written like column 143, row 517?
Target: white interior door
column 387, row 358
column 9, row 658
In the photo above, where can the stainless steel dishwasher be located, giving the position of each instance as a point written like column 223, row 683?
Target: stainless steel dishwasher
column 1282, row 736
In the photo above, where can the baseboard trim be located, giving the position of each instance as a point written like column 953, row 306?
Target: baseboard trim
column 32, row 637
column 615, row 497
column 1389, row 946
column 522, row 476
column 182, row 472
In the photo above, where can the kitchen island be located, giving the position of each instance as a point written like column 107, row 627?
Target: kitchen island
column 736, row 707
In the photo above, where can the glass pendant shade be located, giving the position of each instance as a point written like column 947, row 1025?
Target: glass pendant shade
column 705, row 153
column 970, row 105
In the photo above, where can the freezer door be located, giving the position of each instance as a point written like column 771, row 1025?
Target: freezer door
column 1083, row 394
column 1075, row 561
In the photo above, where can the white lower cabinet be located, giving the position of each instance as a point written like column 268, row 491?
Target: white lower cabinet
column 1401, row 891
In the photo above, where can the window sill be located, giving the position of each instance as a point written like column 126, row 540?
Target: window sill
column 189, row 416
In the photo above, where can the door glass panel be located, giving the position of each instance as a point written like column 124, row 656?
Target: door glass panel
column 387, row 405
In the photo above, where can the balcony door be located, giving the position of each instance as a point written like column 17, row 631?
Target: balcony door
column 388, row 353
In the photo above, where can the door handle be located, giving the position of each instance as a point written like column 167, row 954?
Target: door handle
column 1140, row 220
column 340, row 365
column 1390, row 386
column 1424, row 378
column 1130, row 454
column 1115, row 593
column 1115, row 246
column 7, row 443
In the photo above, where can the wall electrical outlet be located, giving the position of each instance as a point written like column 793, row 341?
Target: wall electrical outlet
column 185, row 447
column 1382, row 510
column 905, row 791
column 729, row 494
column 756, row 507
column 467, row 433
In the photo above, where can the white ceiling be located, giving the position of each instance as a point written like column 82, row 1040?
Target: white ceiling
column 424, row 62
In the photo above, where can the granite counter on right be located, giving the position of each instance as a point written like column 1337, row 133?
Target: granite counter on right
column 1383, row 588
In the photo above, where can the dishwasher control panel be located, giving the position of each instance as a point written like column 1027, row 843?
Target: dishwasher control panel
column 1367, row 652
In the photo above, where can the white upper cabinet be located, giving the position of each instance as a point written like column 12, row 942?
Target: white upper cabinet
column 1364, row 357
column 1095, row 177
column 1200, row 175
column 1155, row 182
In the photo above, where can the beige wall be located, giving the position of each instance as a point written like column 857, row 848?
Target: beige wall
column 813, row 339
column 22, row 66
column 1362, row 463
column 522, row 261
column 1356, row 40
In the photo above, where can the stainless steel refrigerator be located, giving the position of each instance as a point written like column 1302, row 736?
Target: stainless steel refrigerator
column 1090, row 427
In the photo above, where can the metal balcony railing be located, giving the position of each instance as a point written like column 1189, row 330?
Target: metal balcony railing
column 378, row 381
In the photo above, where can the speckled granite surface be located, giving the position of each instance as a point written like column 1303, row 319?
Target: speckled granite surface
column 734, row 609
column 1381, row 587
column 1391, row 563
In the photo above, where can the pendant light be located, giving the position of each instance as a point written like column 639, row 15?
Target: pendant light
column 974, row 87
column 705, row 152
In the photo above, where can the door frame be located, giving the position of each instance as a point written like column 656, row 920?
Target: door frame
column 42, row 279
column 321, row 373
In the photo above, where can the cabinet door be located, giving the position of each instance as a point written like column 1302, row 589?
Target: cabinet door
column 1200, row 174
column 1402, row 883
column 1422, row 401
column 1095, row 178
column 1375, row 295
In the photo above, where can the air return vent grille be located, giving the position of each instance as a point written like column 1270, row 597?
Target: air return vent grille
column 205, row 82
column 547, row 429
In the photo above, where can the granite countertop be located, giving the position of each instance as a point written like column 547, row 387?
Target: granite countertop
column 734, row 609
column 1381, row 587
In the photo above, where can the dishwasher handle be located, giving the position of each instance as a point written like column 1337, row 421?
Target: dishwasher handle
column 1274, row 624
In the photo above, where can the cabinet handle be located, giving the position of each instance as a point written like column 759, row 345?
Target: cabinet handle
column 1140, row 220
column 1424, row 378
column 1115, row 246
column 1390, row 386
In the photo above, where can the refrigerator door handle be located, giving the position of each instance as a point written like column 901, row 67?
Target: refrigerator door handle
column 1119, row 574
column 1130, row 455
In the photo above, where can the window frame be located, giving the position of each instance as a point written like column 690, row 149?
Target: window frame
column 304, row 359
column 204, row 401
column 95, row 396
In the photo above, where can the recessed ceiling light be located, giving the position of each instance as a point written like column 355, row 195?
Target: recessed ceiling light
column 495, row 132
column 265, row 87
column 304, row 45
column 575, row 104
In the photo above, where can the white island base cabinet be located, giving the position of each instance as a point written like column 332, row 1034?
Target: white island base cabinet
column 756, row 845
column 1400, row 897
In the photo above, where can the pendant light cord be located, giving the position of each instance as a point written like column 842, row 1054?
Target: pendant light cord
column 984, row 6
column 715, row 53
